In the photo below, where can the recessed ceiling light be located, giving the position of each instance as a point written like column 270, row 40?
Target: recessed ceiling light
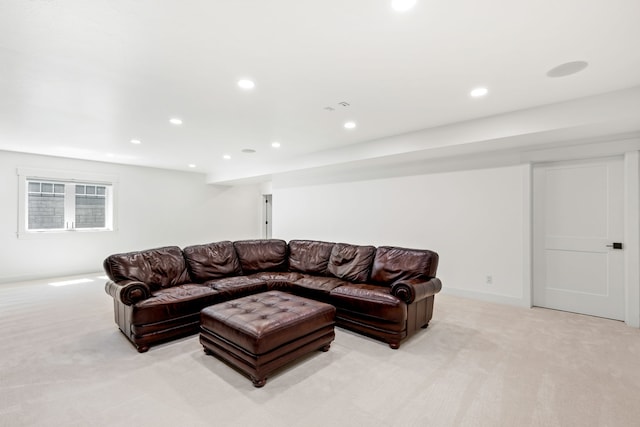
column 479, row 92
column 226, row 157
column 567, row 69
column 350, row 125
column 402, row 5
column 275, row 144
column 246, row 84
column 175, row 121
column 136, row 141
column 191, row 165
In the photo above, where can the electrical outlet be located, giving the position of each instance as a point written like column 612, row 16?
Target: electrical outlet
column 489, row 280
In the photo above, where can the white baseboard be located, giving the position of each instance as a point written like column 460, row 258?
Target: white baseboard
column 483, row 296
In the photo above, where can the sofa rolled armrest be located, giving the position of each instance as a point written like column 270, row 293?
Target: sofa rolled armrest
column 413, row 290
column 128, row 292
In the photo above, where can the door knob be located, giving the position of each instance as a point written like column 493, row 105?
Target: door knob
column 615, row 245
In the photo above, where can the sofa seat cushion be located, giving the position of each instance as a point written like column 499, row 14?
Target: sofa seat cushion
column 170, row 303
column 314, row 287
column 212, row 261
column 277, row 277
column 309, row 256
column 392, row 264
column 320, row 284
column 261, row 255
column 351, row 262
column 158, row 268
column 370, row 301
column 238, row 286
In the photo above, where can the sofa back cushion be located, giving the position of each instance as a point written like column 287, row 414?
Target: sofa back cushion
column 392, row 264
column 351, row 262
column 261, row 255
column 309, row 256
column 212, row 261
column 158, row 268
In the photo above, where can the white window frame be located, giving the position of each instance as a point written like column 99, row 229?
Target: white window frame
column 66, row 177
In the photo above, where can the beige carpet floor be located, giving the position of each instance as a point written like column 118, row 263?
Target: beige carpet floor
column 63, row 362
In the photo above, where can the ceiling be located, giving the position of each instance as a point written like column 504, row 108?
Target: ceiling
column 81, row 79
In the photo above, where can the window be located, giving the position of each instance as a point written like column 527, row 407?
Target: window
column 60, row 204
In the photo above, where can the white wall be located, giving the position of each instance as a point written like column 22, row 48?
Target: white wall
column 155, row 207
column 476, row 220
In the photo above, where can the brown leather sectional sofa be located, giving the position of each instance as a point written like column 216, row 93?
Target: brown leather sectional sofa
column 385, row 292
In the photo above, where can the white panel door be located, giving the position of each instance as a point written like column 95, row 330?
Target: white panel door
column 578, row 213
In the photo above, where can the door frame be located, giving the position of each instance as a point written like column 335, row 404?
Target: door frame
column 631, row 165
column 632, row 237
column 267, row 216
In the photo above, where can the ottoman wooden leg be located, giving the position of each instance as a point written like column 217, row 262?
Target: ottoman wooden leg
column 326, row 347
column 258, row 382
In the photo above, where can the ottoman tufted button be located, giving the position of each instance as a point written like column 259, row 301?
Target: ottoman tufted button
column 264, row 316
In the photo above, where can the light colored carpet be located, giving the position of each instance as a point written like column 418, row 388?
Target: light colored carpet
column 63, row 362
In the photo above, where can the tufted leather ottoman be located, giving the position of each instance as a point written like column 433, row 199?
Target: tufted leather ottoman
column 260, row 333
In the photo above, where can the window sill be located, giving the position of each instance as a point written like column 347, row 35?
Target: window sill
column 27, row 235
